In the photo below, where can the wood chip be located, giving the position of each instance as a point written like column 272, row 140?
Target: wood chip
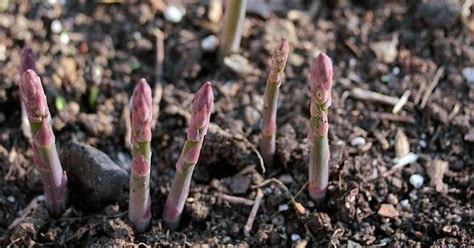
column 372, row 96
column 401, row 102
column 402, row 147
column 436, row 171
column 387, row 210
column 433, row 84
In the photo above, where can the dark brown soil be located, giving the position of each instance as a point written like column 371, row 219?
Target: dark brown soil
column 370, row 202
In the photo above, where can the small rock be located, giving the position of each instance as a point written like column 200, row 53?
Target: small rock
column 251, row 116
column 174, row 13
column 260, row 8
column 407, row 159
column 405, row 204
column 210, row 43
column 11, row 199
column 468, row 74
column 301, row 243
column 352, row 244
column 386, row 51
column 56, row 26
column 387, row 210
column 283, row 207
column 96, row 177
column 358, row 141
column 239, row 64
column 64, row 38
column 240, row 184
column 276, row 28
column 3, row 52
column 416, row 180
column 215, row 10
column 295, row 237
column 440, row 13
column 2, row 117
column 468, row 137
column 392, row 199
column 286, row 179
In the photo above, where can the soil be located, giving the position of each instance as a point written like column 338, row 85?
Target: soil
column 387, row 48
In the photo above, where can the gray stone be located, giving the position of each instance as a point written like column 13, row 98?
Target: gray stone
column 94, row 179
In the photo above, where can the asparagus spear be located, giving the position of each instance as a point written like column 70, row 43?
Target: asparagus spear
column 139, row 212
column 270, row 98
column 203, row 104
column 45, row 155
column 233, row 25
column 320, row 83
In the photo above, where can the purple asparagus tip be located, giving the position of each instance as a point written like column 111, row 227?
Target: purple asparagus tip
column 33, row 96
column 203, row 104
column 321, row 79
column 280, row 54
column 141, row 112
column 28, row 59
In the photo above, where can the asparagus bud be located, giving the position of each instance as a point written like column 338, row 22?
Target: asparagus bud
column 203, row 104
column 270, row 98
column 321, row 84
column 45, row 155
column 139, row 212
column 233, row 25
column 28, row 60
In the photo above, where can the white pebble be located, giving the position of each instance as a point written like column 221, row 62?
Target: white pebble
column 295, row 237
column 416, row 180
column 357, row 141
column 11, row 199
column 422, row 143
column 174, row 13
column 210, row 43
column 468, row 74
column 283, row 207
column 64, row 38
column 3, row 52
column 56, row 26
column 407, row 159
column 404, row 203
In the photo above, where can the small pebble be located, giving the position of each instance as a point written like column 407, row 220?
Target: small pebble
column 416, row 180
column 64, row 38
column 3, row 52
column 56, row 26
column 405, row 203
column 283, row 207
column 295, row 237
column 174, row 13
column 468, row 74
column 392, row 199
column 286, row 179
column 11, row 199
column 226, row 239
column 2, row 117
column 422, row 143
column 358, row 141
column 407, row 159
column 210, row 43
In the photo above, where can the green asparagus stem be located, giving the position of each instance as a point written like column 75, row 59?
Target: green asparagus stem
column 203, row 104
column 321, row 84
column 139, row 212
column 45, row 155
column 233, row 25
column 270, row 101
